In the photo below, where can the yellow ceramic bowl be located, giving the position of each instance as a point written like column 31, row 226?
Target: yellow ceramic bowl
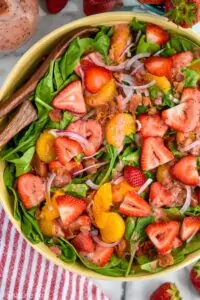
column 23, row 68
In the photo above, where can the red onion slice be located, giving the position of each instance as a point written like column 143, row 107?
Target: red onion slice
column 102, row 244
column 137, row 68
column 90, row 167
column 145, row 185
column 190, row 146
column 135, row 58
column 49, row 184
column 92, row 185
column 128, row 97
column 137, row 87
column 117, row 180
column 88, row 157
column 187, row 200
column 139, row 125
column 138, row 37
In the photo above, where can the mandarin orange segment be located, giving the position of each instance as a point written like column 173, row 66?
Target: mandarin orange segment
column 48, row 228
column 114, row 228
column 195, row 66
column 106, row 94
column 45, row 147
column 50, row 211
column 100, row 218
column 118, row 127
column 119, row 191
column 161, row 82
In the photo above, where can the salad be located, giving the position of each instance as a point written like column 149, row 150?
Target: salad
column 107, row 170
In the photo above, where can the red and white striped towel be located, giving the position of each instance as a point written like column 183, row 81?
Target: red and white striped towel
column 27, row 275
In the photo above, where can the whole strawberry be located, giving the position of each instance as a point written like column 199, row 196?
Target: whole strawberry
column 195, row 276
column 55, row 6
column 134, row 176
column 167, row 291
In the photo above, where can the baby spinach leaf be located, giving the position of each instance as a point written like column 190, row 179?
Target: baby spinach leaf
column 130, row 226
column 101, row 43
column 15, row 206
column 193, row 245
column 141, row 109
column 137, row 25
column 58, row 80
column 23, row 163
column 173, row 213
column 142, row 259
column 143, row 46
column 191, row 78
column 9, row 175
column 193, row 211
column 178, row 43
column 132, row 158
column 77, row 190
column 175, row 151
column 66, row 120
column 112, row 155
column 151, row 267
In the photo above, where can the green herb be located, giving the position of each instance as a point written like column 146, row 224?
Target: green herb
column 144, row 47
column 175, row 151
column 151, row 267
column 112, row 154
column 77, row 190
column 66, row 120
column 178, row 43
column 131, row 158
column 149, row 174
column 173, row 213
column 129, row 138
column 58, row 80
column 9, row 175
column 191, row 78
column 137, row 25
column 193, row 211
column 130, row 226
column 141, row 109
column 166, row 101
column 142, row 260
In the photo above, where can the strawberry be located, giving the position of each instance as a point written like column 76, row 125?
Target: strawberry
column 134, row 206
column 183, row 12
column 154, row 153
column 195, row 276
column 72, row 166
column 198, row 194
column 159, row 196
column 55, row 115
column 134, row 176
column 163, row 235
column 83, row 224
column 179, row 62
column 156, row 35
column 31, row 189
column 91, row 7
column 154, row 2
column 83, row 242
column 71, row 98
column 185, row 170
column 167, row 291
column 159, row 66
column 55, row 6
column 185, row 116
column 66, row 149
column 100, row 256
column 190, row 226
column 177, row 243
column 70, row 208
column 95, row 77
column 152, row 125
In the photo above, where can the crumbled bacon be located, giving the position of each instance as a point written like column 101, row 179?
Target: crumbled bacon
column 90, row 162
column 165, row 260
column 146, row 248
column 134, row 102
column 106, row 112
column 121, row 248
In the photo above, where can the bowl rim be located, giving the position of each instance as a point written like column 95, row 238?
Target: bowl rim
column 11, row 83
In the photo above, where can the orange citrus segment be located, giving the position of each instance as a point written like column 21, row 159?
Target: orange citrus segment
column 45, row 147
column 48, row 228
column 161, row 82
column 50, row 211
column 195, row 66
column 114, row 228
column 119, row 191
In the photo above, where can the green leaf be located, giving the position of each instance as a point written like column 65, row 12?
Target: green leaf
column 129, row 138
column 9, row 175
column 139, row 231
column 112, row 155
column 77, row 190
column 58, row 80
column 15, row 205
column 23, row 163
column 151, row 267
column 166, row 101
column 130, row 226
column 193, row 211
column 137, row 25
column 131, row 158
column 178, row 43
column 175, row 151
column 144, row 47
column 191, row 78
column 173, row 213
column 66, row 120
column 198, row 162
column 102, row 43
column 141, row 109
column 193, row 245
column 142, row 260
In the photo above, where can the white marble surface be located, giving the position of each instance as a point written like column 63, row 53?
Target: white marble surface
column 115, row 290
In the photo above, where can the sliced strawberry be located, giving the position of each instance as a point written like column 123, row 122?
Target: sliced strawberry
column 71, row 98
column 152, row 125
column 95, row 77
column 100, row 256
column 70, row 208
column 156, row 35
column 159, row 196
column 83, row 242
column 135, row 206
column 154, row 153
column 190, row 226
column 167, row 291
column 185, row 170
column 72, row 166
column 66, row 149
column 134, row 176
column 159, row 66
column 163, row 235
column 83, row 223
column 179, row 62
column 177, row 243
column 31, row 189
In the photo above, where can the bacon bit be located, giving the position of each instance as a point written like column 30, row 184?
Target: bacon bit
column 178, row 87
column 146, row 248
column 160, row 215
column 165, row 260
column 158, row 101
column 146, row 101
column 152, row 111
column 90, row 162
column 55, row 115
column 106, row 112
column 133, row 104
column 56, row 250
column 121, row 248
column 120, row 103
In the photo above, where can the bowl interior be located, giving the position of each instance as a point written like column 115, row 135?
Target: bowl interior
column 25, row 67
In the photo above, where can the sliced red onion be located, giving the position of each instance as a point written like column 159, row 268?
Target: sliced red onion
column 158, row 52
column 92, row 185
column 49, row 184
column 145, row 185
column 117, row 180
column 102, row 244
column 135, row 58
column 128, row 78
column 90, row 114
column 90, row 167
column 190, row 146
column 128, row 97
column 97, row 62
column 88, row 157
column 139, row 125
column 138, row 37
column 138, row 87
column 94, row 232
column 188, row 199
column 127, row 50
column 146, row 93
column 137, row 68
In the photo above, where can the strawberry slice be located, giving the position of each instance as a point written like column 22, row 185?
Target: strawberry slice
column 177, row 243
column 83, row 242
column 71, row 98
column 185, row 116
column 152, row 125
column 155, row 34
column 100, row 256
column 190, row 226
column 70, row 208
column 159, row 196
column 66, row 149
column 134, row 206
column 163, row 235
column 134, row 176
column 95, row 78
column 185, row 170
column 159, row 66
column 31, row 189
column 154, row 153
column 179, row 62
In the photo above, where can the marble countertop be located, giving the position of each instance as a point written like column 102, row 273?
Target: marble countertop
column 115, row 290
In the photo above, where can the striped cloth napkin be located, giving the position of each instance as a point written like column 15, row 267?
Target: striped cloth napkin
column 27, row 275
